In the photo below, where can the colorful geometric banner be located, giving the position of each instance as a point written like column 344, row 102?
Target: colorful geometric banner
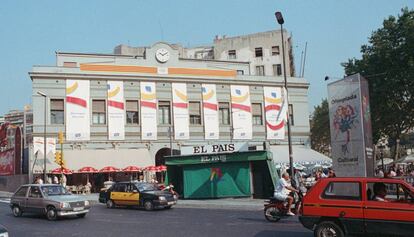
column 116, row 110
column 275, row 111
column 148, row 111
column 210, row 111
column 241, row 112
column 51, row 146
column 77, row 110
column 7, row 162
column 180, row 110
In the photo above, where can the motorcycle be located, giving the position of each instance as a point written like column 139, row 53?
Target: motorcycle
column 274, row 209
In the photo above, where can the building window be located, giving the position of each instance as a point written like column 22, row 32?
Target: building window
column 224, row 113
column 275, row 50
column 195, row 113
column 257, row 114
column 240, row 72
column 277, row 69
column 260, row 70
column 258, row 52
column 132, row 112
column 164, row 112
column 291, row 120
column 57, row 111
column 98, row 112
column 232, row 54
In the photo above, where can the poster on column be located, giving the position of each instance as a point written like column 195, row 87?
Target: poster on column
column 350, row 127
column 77, row 110
column 116, row 110
column 148, row 111
column 275, row 111
column 241, row 112
column 210, row 111
column 180, row 109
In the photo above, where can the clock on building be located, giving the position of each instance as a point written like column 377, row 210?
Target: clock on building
column 162, row 55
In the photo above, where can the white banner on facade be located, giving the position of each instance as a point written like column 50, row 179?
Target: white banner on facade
column 349, row 115
column 181, row 117
column 116, row 110
column 210, row 111
column 77, row 110
column 148, row 111
column 275, row 111
column 51, row 146
column 241, row 112
column 38, row 146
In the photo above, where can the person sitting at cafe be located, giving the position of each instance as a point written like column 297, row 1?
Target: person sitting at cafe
column 380, row 191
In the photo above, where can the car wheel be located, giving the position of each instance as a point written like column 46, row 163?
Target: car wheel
column 148, row 205
column 51, row 213
column 81, row 215
column 272, row 214
column 17, row 211
column 328, row 229
column 110, row 204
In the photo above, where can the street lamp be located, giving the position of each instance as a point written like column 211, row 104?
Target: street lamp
column 280, row 20
column 44, row 136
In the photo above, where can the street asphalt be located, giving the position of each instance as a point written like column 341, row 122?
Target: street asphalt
column 183, row 220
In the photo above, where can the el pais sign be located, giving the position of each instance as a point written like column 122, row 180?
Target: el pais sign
column 213, row 149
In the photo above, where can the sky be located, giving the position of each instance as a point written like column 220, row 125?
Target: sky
column 32, row 31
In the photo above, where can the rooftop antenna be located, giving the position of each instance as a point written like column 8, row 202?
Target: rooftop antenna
column 162, row 31
column 304, row 59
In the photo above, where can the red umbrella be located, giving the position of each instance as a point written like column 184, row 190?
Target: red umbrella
column 151, row 168
column 162, row 168
column 88, row 169
column 131, row 168
column 61, row 170
column 108, row 169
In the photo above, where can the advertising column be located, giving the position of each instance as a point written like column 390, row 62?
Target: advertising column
column 181, row 117
column 77, row 110
column 275, row 111
column 148, row 111
column 210, row 111
column 350, row 127
column 116, row 111
column 241, row 112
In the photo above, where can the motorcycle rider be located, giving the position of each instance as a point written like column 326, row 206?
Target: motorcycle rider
column 283, row 188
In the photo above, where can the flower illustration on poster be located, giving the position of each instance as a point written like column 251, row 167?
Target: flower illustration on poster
column 344, row 121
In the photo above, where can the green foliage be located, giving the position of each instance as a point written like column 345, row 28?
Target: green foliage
column 320, row 134
column 388, row 64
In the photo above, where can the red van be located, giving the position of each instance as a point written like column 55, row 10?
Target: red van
column 359, row 206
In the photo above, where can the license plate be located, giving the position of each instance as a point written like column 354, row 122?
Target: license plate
column 77, row 208
column 171, row 203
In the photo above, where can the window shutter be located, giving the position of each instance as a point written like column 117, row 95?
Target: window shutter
column 132, row 105
column 56, row 105
column 98, row 106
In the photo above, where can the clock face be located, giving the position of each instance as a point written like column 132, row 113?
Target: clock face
column 162, row 55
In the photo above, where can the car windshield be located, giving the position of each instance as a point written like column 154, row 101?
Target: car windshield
column 146, row 187
column 54, row 190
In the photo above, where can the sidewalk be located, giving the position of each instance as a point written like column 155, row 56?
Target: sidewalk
column 223, row 203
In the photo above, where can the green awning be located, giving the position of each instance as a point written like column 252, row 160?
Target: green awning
column 218, row 158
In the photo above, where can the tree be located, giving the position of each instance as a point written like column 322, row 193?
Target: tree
column 388, row 64
column 320, row 134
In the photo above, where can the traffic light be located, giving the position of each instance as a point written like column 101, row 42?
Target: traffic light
column 58, row 158
column 60, row 137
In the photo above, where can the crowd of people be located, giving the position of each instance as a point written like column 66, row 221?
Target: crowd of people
column 395, row 171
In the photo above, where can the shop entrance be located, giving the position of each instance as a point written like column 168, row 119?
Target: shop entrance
column 160, row 160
